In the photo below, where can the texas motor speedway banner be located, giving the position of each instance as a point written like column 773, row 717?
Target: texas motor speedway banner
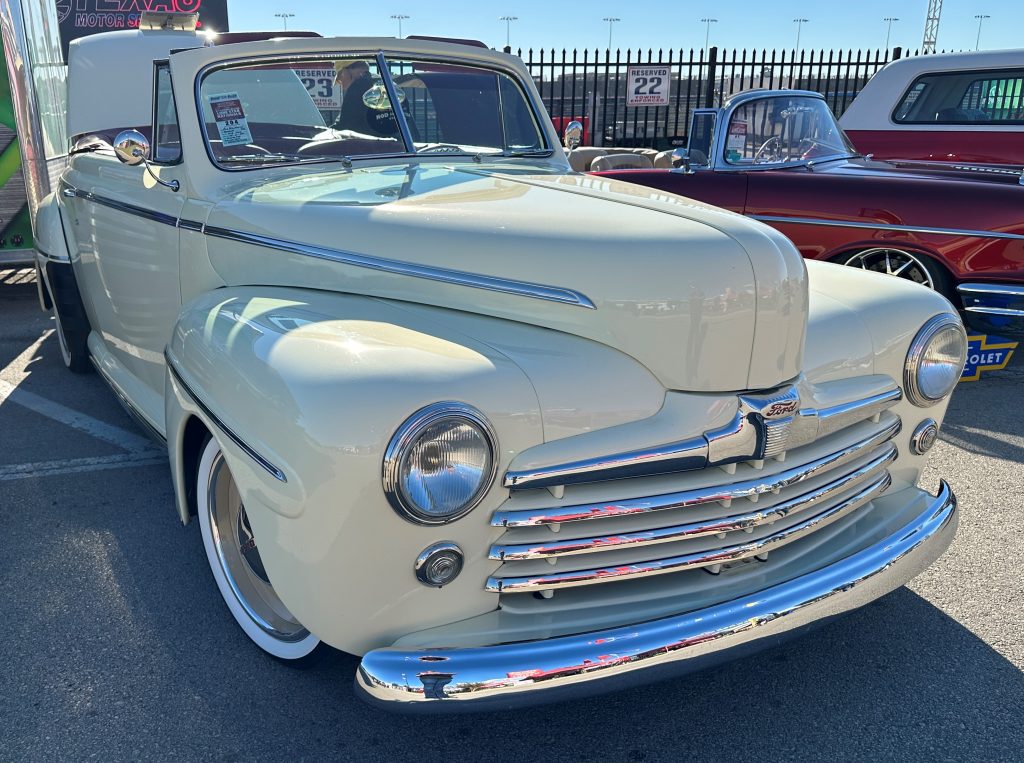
column 79, row 18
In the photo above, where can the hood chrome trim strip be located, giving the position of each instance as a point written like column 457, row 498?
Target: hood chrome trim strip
column 396, row 267
column 883, row 226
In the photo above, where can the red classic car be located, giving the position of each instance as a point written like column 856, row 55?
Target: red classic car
column 957, row 107
column 780, row 157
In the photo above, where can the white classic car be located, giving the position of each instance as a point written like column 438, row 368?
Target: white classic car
column 510, row 432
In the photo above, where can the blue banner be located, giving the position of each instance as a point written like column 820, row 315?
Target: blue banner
column 986, row 353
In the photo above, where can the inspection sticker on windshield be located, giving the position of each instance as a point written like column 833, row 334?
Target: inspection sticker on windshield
column 230, row 118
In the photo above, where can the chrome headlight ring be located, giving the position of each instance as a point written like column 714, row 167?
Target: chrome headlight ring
column 947, row 328
column 422, row 437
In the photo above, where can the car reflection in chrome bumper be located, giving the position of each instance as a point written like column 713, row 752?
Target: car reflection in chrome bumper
column 533, row 672
column 993, row 308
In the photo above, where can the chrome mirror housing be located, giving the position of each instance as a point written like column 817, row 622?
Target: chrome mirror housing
column 681, row 159
column 131, row 147
column 573, row 135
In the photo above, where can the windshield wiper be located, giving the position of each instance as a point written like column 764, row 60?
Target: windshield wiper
column 270, row 158
column 443, row 148
column 537, row 153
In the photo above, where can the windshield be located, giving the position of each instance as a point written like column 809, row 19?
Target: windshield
column 272, row 112
column 783, row 130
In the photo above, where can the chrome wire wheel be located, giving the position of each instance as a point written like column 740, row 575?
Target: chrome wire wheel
column 896, row 262
column 238, row 567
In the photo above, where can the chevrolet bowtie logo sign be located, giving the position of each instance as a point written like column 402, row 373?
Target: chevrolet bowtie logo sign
column 984, row 354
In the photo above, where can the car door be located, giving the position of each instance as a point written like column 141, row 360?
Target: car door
column 124, row 235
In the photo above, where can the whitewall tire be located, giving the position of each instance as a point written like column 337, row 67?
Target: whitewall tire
column 238, row 568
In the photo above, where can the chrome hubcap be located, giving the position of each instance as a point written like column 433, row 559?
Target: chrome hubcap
column 893, row 262
column 240, row 559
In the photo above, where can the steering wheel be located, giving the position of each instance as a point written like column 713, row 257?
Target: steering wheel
column 770, row 151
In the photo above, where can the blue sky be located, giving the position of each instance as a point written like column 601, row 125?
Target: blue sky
column 654, row 23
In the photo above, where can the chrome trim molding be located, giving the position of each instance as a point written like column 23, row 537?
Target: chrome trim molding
column 397, row 267
column 501, row 676
column 883, row 226
column 63, row 259
column 264, row 464
column 1007, row 311
column 70, row 191
column 740, row 440
column 743, row 489
column 915, row 356
column 1002, row 289
column 407, row 434
column 394, row 267
column 726, row 555
column 718, row 526
column 151, row 431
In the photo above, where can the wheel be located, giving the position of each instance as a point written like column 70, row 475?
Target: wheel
column 238, row 568
column 914, row 267
column 70, row 320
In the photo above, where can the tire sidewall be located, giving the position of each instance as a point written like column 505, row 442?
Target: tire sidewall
column 282, row 650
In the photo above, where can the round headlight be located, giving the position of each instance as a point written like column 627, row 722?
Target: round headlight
column 440, row 463
column 935, row 360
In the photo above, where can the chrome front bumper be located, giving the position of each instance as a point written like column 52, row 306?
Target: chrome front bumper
column 993, row 308
column 525, row 673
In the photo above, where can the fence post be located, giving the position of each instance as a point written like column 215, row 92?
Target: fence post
column 897, row 52
column 709, row 96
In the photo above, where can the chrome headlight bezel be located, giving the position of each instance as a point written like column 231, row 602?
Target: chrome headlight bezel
column 409, row 433
column 916, row 355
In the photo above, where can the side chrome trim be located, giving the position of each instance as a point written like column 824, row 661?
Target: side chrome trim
column 266, row 465
column 194, row 225
column 397, row 267
column 733, row 443
column 149, row 214
column 697, row 496
column 720, row 526
column 1000, row 289
column 883, row 226
column 150, row 430
column 62, row 259
column 527, row 672
column 726, row 555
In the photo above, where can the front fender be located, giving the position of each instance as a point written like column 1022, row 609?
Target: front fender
column 315, row 384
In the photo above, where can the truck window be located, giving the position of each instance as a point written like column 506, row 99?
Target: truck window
column 953, row 98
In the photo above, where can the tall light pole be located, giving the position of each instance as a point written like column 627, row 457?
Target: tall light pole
column 399, row 17
column 981, row 18
column 707, row 31
column 888, row 32
column 508, row 28
column 799, row 28
column 611, row 21
column 284, row 18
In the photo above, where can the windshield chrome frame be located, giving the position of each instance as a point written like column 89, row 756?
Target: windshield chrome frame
column 717, row 159
column 378, row 56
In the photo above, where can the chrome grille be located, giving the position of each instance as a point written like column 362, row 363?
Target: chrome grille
column 711, row 522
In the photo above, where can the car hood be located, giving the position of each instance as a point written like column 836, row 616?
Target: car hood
column 707, row 300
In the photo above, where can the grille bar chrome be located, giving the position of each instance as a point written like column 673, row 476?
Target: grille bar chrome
column 743, row 489
column 724, row 446
column 747, row 521
column 729, row 554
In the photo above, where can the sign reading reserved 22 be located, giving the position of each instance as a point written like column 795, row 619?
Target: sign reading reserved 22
column 648, row 85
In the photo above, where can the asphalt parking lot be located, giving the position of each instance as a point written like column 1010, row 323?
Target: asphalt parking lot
column 118, row 646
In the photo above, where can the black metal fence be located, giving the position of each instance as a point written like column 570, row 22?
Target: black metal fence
column 591, row 85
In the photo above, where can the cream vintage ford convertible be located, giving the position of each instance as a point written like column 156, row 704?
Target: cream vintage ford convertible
column 510, row 432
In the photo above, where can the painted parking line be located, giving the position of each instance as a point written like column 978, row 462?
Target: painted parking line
column 41, row 469
column 11, row 392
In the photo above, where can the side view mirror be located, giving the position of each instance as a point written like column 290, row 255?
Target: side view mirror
column 573, row 135
column 681, row 160
column 132, row 148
